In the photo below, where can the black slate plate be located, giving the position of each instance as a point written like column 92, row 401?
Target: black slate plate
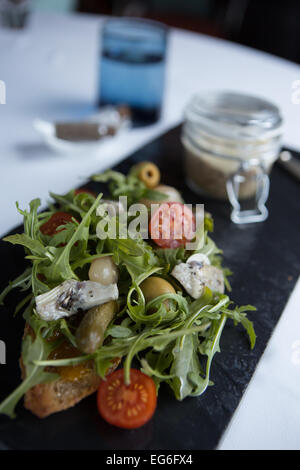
column 265, row 261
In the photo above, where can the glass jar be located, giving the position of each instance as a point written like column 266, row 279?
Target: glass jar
column 231, row 142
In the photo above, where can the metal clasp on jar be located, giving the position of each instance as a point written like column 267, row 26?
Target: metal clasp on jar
column 252, row 177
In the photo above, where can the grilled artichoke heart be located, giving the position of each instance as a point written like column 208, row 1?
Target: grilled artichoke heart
column 70, row 296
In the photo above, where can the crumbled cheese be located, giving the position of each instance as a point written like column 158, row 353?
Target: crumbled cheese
column 195, row 276
column 198, row 258
column 188, row 274
column 213, row 278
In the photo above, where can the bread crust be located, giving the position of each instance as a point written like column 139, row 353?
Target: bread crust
column 48, row 398
column 45, row 399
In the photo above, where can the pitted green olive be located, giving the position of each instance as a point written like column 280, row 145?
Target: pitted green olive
column 148, row 173
column 90, row 333
column 104, row 271
column 154, row 286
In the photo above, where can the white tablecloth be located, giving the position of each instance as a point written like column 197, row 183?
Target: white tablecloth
column 50, row 72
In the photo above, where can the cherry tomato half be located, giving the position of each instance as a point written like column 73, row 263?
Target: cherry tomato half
column 127, row 406
column 172, row 225
column 55, row 221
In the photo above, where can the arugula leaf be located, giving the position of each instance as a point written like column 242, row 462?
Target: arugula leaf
column 136, row 255
column 63, row 236
column 128, row 185
column 22, row 303
column 121, row 185
column 147, row 369
column 31, row 225
column 37, row 349
column 185, row 361
column 209, row 347
column 60, row 269
column 66, row 201
column 157, row 364
column 238, row 315
column 186, row 365
column 154, row 195
column 173, row 336
column 35, row 246
column 22, row 282
column 168, row 258
column 208, row 222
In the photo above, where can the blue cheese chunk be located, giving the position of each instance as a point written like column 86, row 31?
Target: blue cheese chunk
column 71, row 296
column 198, row 258
column 194, row 277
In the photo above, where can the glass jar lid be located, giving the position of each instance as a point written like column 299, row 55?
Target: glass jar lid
column 234, row 116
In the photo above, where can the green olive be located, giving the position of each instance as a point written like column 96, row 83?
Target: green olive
column 148, row 173
column 154, row 286
column 104, row 271
column 90, row 333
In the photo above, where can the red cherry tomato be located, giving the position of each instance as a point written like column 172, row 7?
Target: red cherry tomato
column 55, row 221
column 172, row 225
column 127, row 406
column 85, row 190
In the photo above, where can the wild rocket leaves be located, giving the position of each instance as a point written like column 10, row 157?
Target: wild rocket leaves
column 177, row 350
column 173, row 337
column 127, row 185
column 32, row 350
column 52, row 257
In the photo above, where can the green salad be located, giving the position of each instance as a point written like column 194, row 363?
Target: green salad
column 156, row 319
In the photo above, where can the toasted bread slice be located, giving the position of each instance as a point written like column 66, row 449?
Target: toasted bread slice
column 45, row 399
column 74, row 384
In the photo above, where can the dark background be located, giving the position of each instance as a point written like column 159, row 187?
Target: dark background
column 270, row 26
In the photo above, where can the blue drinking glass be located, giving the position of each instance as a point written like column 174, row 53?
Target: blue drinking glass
column 132, row 67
